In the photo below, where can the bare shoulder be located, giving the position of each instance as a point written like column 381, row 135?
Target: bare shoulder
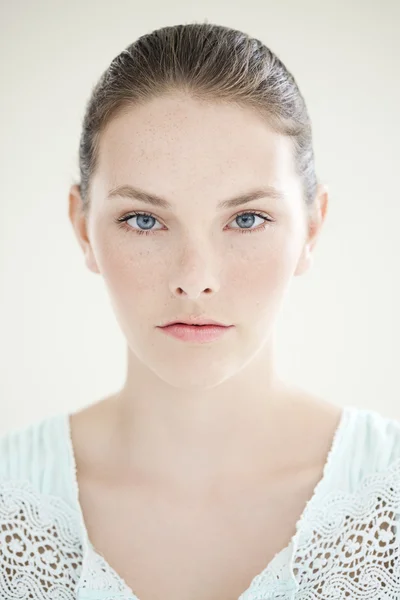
column 91, row 432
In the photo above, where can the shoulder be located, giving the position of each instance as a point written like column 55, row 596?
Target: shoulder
column 378, row 436
column 36, row 454
column 370, row 447
column 352, row 524
column 24, row 448
column 41, row 555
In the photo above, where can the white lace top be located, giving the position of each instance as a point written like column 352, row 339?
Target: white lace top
column 346, row 543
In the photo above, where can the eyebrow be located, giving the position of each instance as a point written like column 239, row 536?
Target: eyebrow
column 127, row 191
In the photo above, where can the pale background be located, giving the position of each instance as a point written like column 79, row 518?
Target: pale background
column 339, row 331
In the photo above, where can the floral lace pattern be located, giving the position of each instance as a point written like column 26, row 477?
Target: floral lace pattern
column 98, row 576
column 346, row 545
column 349, row 545
column 40, row 546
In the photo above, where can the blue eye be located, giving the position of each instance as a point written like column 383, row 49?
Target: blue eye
column 144, row 221
column 246, row 221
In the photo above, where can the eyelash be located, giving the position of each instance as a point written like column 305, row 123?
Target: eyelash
column 121, row 222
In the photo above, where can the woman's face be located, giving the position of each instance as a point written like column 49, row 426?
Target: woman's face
column 196, row 256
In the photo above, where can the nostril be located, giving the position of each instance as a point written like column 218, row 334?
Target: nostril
column 181, row 292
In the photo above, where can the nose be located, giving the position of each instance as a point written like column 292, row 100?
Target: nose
column 195, row 273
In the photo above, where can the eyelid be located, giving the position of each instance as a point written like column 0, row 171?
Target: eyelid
column 138, row 213
column 253, row 211
column 258, row 213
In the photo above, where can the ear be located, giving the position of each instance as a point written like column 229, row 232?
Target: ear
column 316, row 218
column 79, row 222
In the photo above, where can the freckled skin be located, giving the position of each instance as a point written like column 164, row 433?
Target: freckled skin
column 195, row 155
column 172, row 456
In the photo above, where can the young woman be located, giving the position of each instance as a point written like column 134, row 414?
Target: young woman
column 207, row 476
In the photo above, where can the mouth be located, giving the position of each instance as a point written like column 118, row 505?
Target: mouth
column 197, row 332
column 196, row 322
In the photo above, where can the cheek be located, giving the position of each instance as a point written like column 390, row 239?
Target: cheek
column 129, row 271
column 252, row 273
column 258, row 276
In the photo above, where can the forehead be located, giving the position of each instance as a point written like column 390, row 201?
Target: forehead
column 190, row 144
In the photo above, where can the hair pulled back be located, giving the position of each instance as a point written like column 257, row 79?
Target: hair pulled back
column 210, row 62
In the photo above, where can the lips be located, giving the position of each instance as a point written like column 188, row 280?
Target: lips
column 196, row 332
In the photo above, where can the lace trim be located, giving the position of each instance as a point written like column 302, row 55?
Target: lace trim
column 40, row 549
column 99, row 576
column 274, row 581
column 349, row 545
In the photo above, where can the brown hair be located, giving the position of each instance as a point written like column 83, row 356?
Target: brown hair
column 209, row 62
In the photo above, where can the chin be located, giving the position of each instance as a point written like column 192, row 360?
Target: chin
column 195, row 367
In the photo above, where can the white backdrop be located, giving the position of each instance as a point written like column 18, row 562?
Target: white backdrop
column 339, row 331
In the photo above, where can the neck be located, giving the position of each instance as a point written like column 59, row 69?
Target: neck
column 195, row 438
